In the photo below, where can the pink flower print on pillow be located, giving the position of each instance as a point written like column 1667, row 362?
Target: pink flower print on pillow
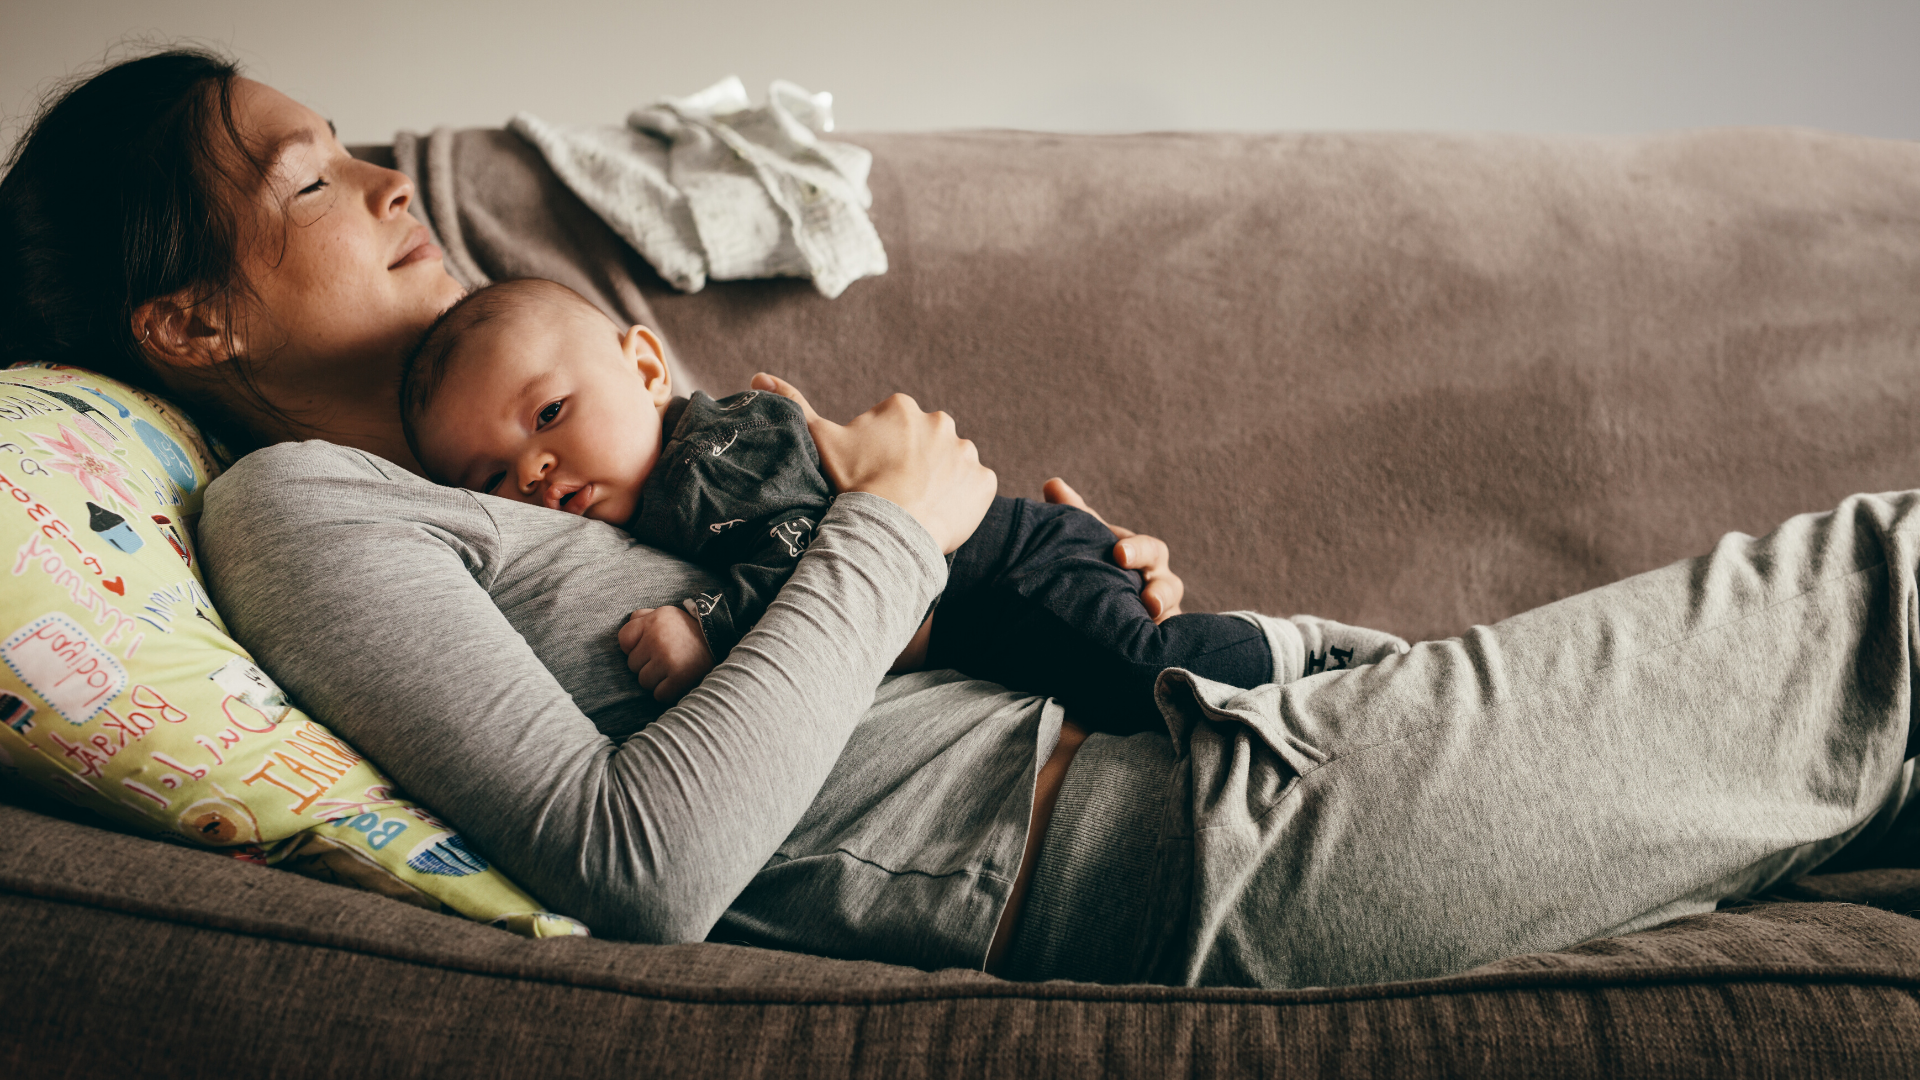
column 103, row 477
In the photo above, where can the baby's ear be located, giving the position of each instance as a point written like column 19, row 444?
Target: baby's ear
column 650, row 357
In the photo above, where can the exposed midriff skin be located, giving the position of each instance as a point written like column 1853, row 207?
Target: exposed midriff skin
column 1046, row 792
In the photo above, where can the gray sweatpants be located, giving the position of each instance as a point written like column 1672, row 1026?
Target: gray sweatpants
column 1623, row 757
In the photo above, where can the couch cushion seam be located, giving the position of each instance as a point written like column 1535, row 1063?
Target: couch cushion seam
column 1453, row 986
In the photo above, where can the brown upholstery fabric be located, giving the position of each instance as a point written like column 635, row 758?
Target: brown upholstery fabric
column 169, row 962
column 1413, row 381
column 1887, row 889
column 1416, row 382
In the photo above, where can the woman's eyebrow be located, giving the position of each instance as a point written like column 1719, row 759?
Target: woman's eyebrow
column 278, row 149
column 300, row 137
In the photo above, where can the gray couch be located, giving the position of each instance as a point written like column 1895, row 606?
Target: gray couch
column 1411, row 381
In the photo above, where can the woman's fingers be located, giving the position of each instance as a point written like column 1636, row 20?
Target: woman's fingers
column 1057, row 490
column 1148, row 554
column 823, row 430
column 785, row 389
column 1137, row 551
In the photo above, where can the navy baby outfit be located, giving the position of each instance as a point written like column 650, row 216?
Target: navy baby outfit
column 1033, row 600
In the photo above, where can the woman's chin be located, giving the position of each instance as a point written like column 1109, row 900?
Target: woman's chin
column 444, row 283
column 433, row 290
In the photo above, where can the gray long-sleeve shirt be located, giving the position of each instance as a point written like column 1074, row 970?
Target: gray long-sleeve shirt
column 466, row 644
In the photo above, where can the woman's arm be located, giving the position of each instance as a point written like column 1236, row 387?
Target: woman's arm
column 366, row 592
column 1163, row 590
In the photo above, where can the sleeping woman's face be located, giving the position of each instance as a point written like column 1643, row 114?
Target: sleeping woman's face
column 344, row 276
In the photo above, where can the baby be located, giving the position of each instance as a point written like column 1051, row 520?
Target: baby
column 525, row 391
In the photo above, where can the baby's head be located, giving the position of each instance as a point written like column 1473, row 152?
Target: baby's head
column 526, row 391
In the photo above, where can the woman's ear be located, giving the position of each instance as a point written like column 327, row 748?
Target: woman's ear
column 175, row 332
column 646, row 352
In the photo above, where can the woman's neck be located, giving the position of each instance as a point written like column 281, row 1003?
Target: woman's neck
column 368, row 421
column 376, row 435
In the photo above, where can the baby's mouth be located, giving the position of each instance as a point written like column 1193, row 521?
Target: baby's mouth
column 575, row 500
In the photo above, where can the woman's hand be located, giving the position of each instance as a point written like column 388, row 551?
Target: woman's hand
column 905, row 455
column 1135, row 551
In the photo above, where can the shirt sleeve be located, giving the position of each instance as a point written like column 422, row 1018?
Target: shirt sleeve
column 363, row 590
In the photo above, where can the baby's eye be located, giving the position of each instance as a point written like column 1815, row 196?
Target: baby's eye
column 548, row 414
column 493, row 483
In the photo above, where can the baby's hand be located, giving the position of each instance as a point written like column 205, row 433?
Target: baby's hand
column 666, row 649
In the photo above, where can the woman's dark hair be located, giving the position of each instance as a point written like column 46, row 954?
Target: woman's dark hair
column 119, row 193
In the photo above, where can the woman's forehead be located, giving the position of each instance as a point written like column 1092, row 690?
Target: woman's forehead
column 274, row 122
column 260, row 104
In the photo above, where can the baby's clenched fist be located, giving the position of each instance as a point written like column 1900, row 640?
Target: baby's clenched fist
column 666, row 650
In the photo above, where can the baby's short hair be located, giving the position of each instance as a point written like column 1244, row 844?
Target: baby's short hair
column 426, row 367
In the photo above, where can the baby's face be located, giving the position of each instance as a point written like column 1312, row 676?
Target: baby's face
column 550, row 404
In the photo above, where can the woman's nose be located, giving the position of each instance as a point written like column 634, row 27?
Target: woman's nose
column 389, row 194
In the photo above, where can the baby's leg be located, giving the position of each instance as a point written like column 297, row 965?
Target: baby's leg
column 1308, row 645
column 1036, row 602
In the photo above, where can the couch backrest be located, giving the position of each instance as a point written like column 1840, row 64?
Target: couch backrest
column 1415, row 381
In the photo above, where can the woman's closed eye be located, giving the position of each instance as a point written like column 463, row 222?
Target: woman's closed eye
column 315, row 188
column 492, row 483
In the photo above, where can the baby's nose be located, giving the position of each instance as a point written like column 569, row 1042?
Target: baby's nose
column 533, row 474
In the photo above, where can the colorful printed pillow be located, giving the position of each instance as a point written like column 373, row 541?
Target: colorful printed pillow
column 121, row 691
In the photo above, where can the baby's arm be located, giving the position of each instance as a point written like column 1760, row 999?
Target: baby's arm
column 671, row 649
column 739, row 490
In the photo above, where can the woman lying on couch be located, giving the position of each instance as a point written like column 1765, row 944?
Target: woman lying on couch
column 1614, row 760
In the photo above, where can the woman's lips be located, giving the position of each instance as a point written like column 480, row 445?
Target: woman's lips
column 419, row 248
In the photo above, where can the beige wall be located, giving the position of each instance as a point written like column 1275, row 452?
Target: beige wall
column 1530, row 65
